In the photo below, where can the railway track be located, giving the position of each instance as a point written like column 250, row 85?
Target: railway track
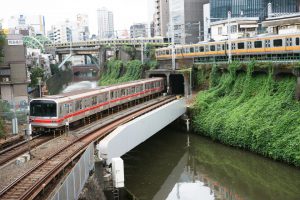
column 18, row 149
column 35, row 180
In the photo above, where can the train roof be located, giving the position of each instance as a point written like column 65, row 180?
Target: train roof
column 90, row 92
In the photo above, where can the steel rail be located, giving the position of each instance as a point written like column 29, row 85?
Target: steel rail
column 83, row 142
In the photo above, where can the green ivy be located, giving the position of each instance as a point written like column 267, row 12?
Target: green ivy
column 253, row 112
column 118, row 72
column 35, row 73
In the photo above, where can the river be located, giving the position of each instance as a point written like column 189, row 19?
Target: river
column 166, row 167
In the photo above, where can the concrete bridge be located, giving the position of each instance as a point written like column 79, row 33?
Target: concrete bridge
column 115, row 145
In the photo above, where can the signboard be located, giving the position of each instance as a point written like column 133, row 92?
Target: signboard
column 15, row 42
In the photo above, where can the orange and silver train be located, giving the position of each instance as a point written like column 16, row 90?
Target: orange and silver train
column 272, row 47
column 52, row 112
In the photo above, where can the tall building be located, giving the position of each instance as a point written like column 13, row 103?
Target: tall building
column 105, row 23
column 161, row 17
column 250, row 8
column 27, row 25
column 187, row 20
column 138, row 30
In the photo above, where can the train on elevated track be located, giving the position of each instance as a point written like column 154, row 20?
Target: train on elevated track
column 261, row 48
column 54, row 112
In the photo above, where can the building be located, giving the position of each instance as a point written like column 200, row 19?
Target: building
column 27, row 25
column 61, row 32
column 161, row 17
column 14, row 77
column 240, row 27
column 250, row 8
column 105, row 23
column 82, row 28
column 186, row 16
column 284, row 24
column 138, row 30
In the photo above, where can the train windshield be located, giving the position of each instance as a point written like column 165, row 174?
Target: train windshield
column 42, row 108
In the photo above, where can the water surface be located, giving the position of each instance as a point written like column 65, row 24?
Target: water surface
column 165, row 168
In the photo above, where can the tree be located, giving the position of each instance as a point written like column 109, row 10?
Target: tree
column 35, row 73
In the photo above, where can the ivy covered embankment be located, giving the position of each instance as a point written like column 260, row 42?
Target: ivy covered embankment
column 117, row 71
column 252, row 111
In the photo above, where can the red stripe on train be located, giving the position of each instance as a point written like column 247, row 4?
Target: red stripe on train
column 48, row 121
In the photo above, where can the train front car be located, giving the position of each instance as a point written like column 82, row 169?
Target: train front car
column 43, row 114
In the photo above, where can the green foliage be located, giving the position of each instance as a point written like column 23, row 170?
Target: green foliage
column 151, row 65
column 150, row 51
column 4, row 108
column 252, row 112
column 2, row 43
column 119, row 72
column 35, row 73
column 200, row 77
column 131, row 50
column 54, row 69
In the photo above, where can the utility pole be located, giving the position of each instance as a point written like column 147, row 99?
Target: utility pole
column 229, row 38
column 199, row 31
column 142, row 51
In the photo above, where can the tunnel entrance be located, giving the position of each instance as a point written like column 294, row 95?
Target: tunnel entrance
column 177, row 84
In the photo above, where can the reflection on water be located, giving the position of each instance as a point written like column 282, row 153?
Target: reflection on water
column 80, row 86
column 165, row 168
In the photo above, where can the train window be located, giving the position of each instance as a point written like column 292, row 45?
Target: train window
column 241, row 45
column 133, row 90
column 78, row 105
column 233, row 46
column 219, row 47
column 297, row 41
column 42, row 108
column 249, row 45
column 212, row 47
column 267, row 43
column 206, row 48
column 168, row 52
column 277, row 43
column 196, row 49
column 201, row 49
column 123, row 93
column 289, row 42
column 111, row 95
column 258, row 44
column 94, row 100
column 191, row 50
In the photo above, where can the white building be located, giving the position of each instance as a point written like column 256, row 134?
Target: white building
column 206, row 24
column 70, row 30
column 105, row 23
column 27, row 25
column 284, row 24
column 61, row 32
column 82, row 28
column 240, row 27
column 138, row 30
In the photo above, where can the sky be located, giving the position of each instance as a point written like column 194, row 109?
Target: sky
column 126, row 12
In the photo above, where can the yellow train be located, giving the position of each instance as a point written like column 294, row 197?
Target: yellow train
column 274, row 47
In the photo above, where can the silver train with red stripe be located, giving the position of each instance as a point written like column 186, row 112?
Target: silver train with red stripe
column 56, row 111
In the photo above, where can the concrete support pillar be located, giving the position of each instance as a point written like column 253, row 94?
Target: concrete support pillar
column 187, row 91
column 85, row 59
column 60, row 58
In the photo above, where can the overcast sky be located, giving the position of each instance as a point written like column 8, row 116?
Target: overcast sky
column 125, row 12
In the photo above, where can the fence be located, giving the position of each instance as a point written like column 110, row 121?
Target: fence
column 74, row 183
